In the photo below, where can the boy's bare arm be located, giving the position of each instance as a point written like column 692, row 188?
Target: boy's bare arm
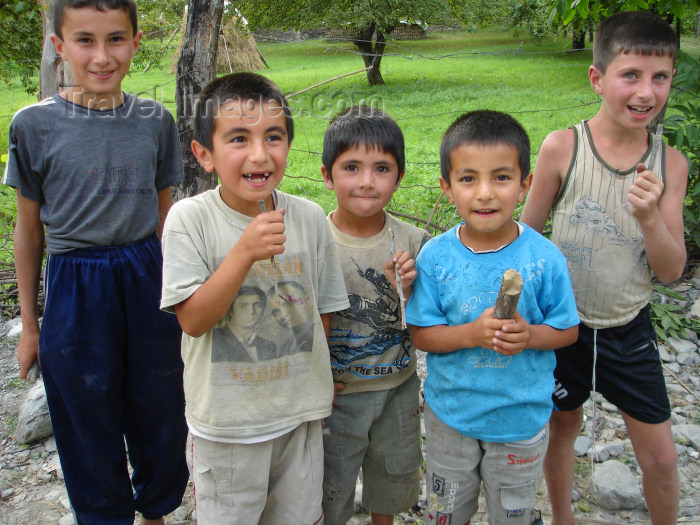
column 507, row 337
column 442, row 339
column 518, row 335
column 658, row 208
column 263, row 238
column 550, row 169
column 29, row 252
column 326, row 322
column 165, row 202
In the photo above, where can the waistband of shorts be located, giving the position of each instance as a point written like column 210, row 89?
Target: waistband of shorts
column 111, row 252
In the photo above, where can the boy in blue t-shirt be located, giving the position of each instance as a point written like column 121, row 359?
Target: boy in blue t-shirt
column 93, row 167
column 489, row 384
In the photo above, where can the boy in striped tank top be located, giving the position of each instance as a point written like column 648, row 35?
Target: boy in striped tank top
column 616, row 196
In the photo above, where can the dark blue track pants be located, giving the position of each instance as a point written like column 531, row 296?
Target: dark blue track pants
column 113, row 373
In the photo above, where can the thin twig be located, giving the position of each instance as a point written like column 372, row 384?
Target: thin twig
column 680, row 382
column 327, row 81
column 399, row 288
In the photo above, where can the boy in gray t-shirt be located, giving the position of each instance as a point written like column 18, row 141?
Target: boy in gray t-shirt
column 93, row 167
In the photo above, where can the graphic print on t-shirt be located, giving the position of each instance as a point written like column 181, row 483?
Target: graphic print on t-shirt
column 265, row 321
column 370, row 327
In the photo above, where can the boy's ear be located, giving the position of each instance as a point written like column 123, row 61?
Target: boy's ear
column 203, row 156
column 399, row 179
column 327, row 178
column 447, row 190
column 524, row 187
column 595, row 76
column 58, row 44
column 137, row 40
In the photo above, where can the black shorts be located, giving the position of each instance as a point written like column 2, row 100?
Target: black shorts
column 628, row 370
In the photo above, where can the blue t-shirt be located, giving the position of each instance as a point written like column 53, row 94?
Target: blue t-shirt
column 479, row 392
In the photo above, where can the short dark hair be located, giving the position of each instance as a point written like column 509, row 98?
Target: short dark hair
column 60, row 6
column 485, row 127
column 638, row 32
column 235, row 87
column 362, row 126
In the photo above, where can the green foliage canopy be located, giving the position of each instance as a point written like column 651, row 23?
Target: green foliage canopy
column 20, row 42
column 365, row 18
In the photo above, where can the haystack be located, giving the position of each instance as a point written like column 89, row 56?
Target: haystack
column 237, row 50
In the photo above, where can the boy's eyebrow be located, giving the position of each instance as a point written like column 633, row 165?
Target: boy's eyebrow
column 467, row 169
column 81, row 33
column 244, row 129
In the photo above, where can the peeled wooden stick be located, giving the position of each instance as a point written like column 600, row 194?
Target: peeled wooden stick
column 508, row 295
column 402, row 299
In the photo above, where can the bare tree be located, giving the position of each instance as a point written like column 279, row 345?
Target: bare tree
column 53, row 73
column 196, row 67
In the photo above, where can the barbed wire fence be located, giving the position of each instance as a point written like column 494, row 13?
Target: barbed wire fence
column 439, row 217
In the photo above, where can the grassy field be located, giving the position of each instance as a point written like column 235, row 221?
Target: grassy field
column 428, row 84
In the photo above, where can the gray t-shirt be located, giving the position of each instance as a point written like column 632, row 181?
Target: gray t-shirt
column 96, row 174
column 264, row 367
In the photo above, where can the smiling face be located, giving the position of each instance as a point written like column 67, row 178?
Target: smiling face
column 99, row 46
column 249, row 152
column 364, row 180
column 634, row 88
column 485, row 186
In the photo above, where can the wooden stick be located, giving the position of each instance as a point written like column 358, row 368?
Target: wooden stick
column 402, row 299
column 508, row 295
column 263, row 209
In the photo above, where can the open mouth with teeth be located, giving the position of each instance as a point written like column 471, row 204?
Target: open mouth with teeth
column 639, row 110
column 487, row 211
column 257, row 177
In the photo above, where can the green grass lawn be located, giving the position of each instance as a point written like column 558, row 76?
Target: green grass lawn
column 428, row 84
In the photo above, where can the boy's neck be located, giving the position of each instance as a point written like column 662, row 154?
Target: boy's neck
column 620, row 147
column 246, row 207
column 488, row 241
column 356, row 226
column 95, row 101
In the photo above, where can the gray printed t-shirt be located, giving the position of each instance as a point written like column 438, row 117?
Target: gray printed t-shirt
column 96, row 174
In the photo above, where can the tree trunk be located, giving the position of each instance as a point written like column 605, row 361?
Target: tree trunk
column 196, row 67
column 53, row 73
column 371, row 55
column 579, row 36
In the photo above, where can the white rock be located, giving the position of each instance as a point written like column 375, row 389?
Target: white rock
column 598, row 453
column 673, row 388
column 608, row 407
column 691, row 433
column 180, row 513
column 681, row 346
column 34, row 422
column 14, row 327
column 55, row 495
column 664, row 355
column 581, row 445
column 695, row 309
column 674, row 367
column 685, row 359
column 678, row 419
column 615, row 448
column 613, row 487
column 67, row 520
column 50, row 444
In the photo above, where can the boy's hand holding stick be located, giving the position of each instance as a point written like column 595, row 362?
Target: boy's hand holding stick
column 402, row 299
column 508, row 296
column 263, row 209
